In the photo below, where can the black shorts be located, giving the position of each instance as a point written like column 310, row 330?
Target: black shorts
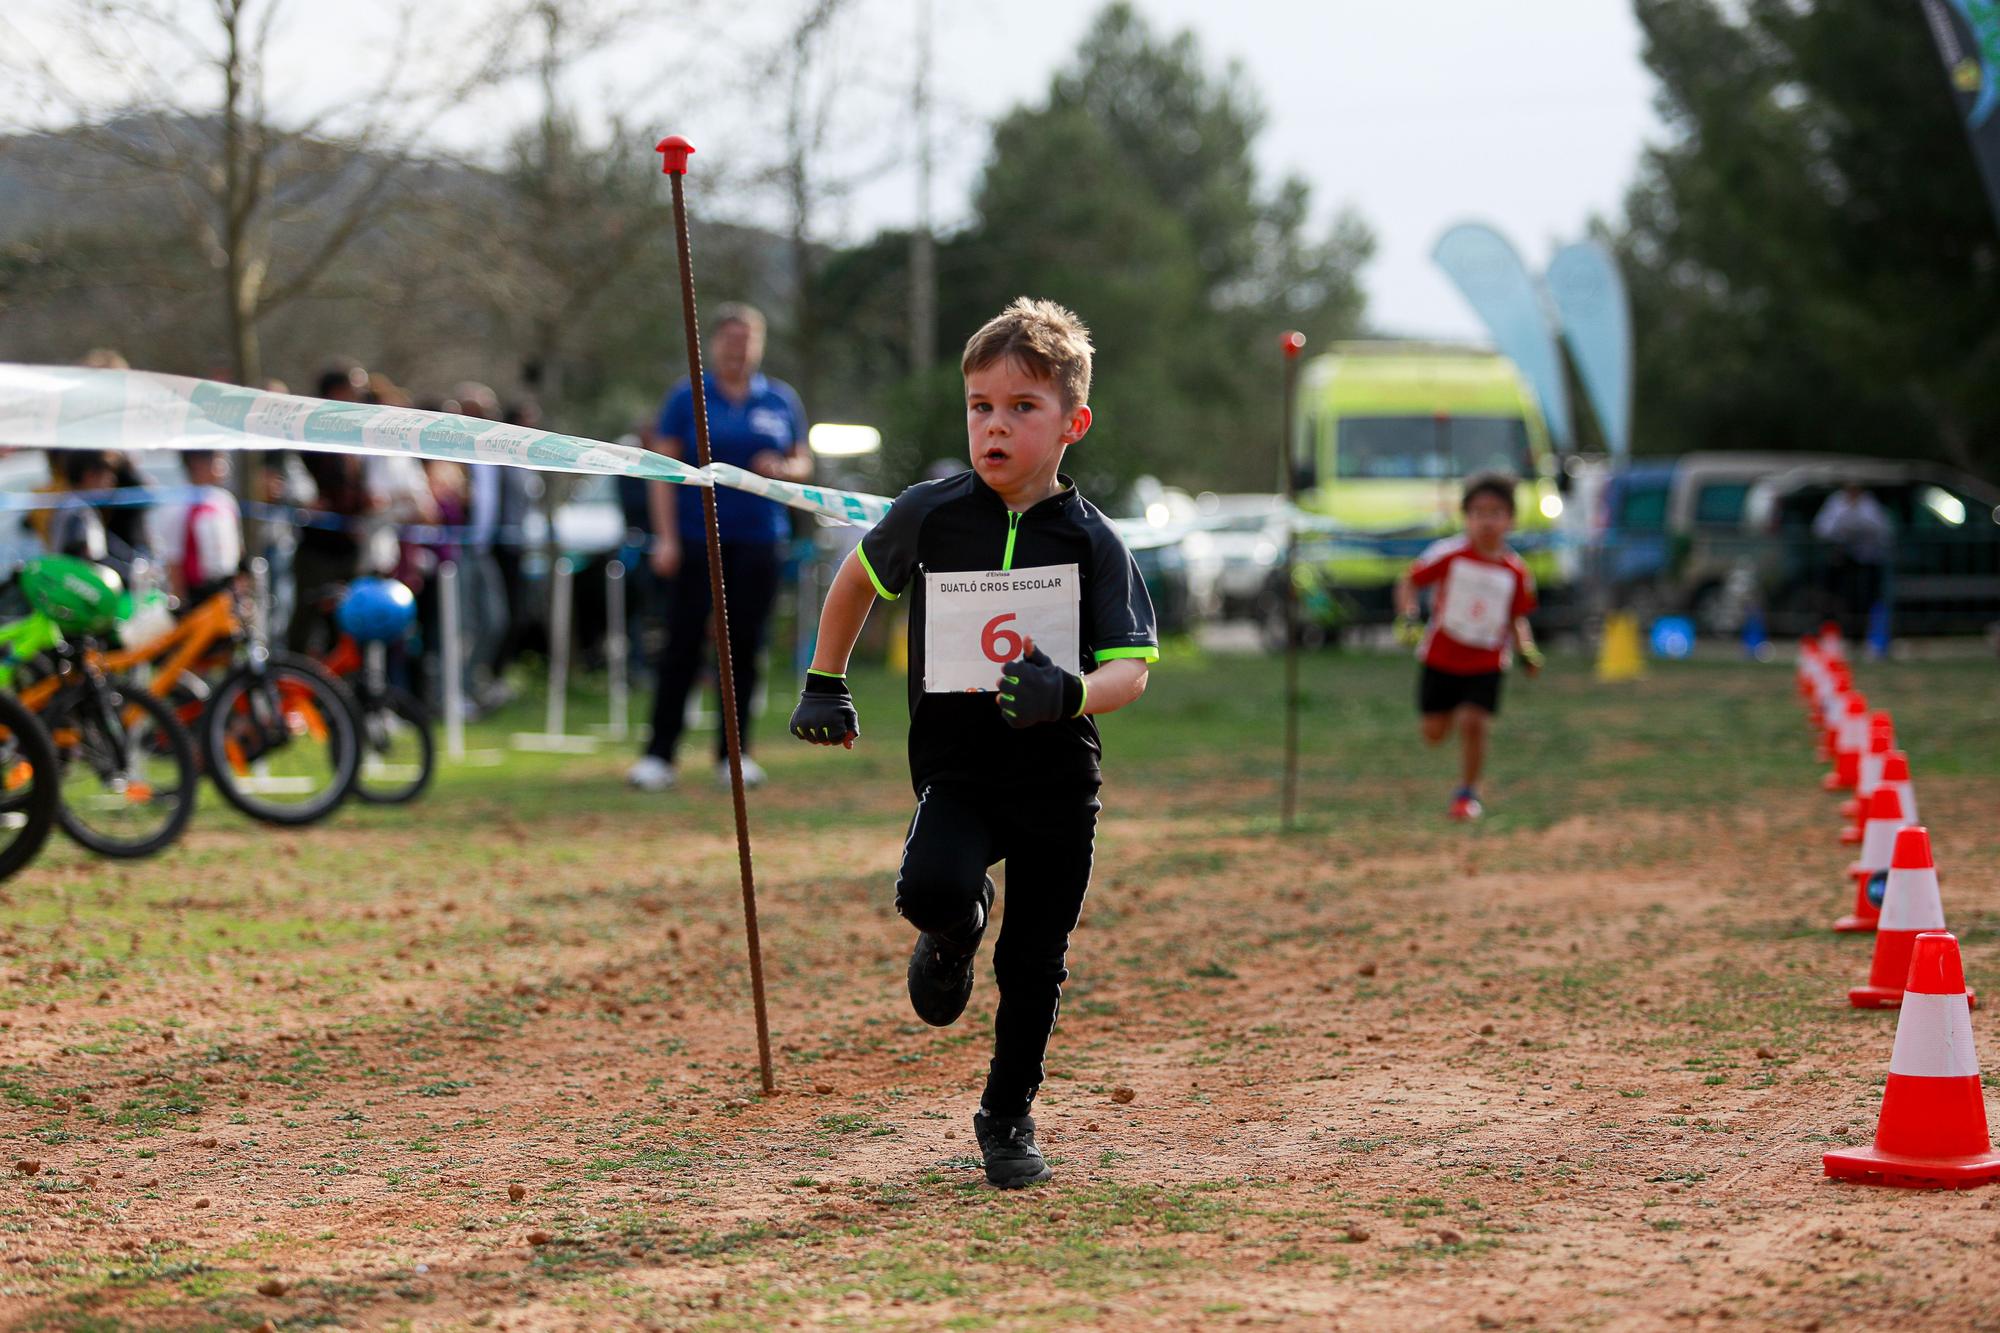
column 1443, row 691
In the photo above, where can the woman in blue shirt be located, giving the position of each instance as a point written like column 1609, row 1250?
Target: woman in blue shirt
column 757, row 424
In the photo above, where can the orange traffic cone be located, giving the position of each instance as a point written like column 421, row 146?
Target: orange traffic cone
column 1871, row 870
column 1896, row 773
column 1881, row 740
column 1809, row 669
column 1910, row 906
column 1848, row 742
column 1829, row 705
column 1830, row 641
column 1932, row 1132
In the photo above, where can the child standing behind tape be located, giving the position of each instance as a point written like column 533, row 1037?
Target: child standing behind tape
column 1027, row 616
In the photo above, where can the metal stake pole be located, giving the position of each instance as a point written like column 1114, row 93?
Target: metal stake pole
column 1292, row 344
column 675, row 150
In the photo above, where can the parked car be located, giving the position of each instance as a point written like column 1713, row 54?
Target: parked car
column 1712, row 535
column 1944, row 567
column 1238, row 540
column 1155, row 521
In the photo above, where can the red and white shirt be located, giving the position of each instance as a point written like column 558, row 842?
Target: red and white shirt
column 1473, row 610
column 212, row 543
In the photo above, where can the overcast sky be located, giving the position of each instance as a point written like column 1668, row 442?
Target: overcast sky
column 1417, row 113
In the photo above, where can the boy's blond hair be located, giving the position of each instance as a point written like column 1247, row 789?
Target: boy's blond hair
column 1050, row 341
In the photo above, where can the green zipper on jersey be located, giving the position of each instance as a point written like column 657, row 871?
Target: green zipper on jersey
column 1013, row 530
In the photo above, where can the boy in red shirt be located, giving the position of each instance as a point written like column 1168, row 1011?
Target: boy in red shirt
column 1479, row 614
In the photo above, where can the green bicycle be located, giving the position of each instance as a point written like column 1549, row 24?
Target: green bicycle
column 125, row 773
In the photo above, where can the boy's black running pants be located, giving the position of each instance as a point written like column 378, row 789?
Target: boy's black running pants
column 1045, row 836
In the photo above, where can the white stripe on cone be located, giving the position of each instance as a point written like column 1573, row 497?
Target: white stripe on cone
column 1871, row 773
column 1934, row 1038
column 1878, row 844
column 1906, row 792
column 1911, row 901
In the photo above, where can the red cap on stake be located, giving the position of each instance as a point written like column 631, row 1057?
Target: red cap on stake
column 674, row 150
column 1292, row 343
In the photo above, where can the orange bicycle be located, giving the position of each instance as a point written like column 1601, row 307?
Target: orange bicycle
column 276, row 732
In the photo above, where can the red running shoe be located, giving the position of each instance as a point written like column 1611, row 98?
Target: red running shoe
column 1465, row 806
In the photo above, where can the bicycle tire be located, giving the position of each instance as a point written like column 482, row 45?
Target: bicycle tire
column 63, row 716
column 406, row 708
column 24, row 741
column 241, row 727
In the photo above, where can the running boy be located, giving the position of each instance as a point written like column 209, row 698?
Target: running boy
column 1479, row 612
column 1027, row 616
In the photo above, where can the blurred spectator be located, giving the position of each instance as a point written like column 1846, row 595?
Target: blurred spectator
column 75, row 528
column 282, row 480
column 481, row 588
column 125, row 524
column 1854, row 523
column 757, row 424
column 449, row 494
column 329, row 549
column 211, row 546
column 519, row 490
column 643, row 587
column 42, row 521
column 400, row 490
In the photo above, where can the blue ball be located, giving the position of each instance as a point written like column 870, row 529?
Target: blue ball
column 376, row 609
column 1673, row 636
column 1878, row 888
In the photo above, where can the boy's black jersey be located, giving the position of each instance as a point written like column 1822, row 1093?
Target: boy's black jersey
column 960, row 524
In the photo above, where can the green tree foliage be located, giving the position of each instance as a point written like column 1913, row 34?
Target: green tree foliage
column 1131, row 195
column 1812, row 260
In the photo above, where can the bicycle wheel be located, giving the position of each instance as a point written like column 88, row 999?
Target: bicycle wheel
column 29, row 793
column 398, row 751
column 125, row 765
column 280, row 740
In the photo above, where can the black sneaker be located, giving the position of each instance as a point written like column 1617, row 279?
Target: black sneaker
column 941, row 971
column 1008, row 1145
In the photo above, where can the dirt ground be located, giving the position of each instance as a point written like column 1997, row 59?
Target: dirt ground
column 492, row 1064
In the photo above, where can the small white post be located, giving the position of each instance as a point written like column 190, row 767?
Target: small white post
column 451, row 662
column 617, row 651
column 552, row 738
column 260, row 603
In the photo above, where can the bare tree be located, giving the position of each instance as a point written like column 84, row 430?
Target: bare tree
column 271, row 206
column 824, row 89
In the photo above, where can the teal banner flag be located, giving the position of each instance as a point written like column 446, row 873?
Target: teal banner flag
column 1589, row 296
column 1967, row 34
column 1491, row 277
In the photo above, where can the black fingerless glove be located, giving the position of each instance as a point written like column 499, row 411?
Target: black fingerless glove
column 1034, row 689
column 825, row 715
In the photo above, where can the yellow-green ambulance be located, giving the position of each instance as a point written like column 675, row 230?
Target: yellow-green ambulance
column 1387, row 434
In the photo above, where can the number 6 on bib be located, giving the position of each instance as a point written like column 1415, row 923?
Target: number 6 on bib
column 974, row 622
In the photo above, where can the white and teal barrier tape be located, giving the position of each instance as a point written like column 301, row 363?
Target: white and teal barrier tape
column 72, row 407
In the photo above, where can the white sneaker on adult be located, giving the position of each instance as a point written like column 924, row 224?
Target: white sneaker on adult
column 753, row 773
column 651, row 773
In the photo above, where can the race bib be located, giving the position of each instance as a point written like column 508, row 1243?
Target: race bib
column 1478, row 603
column 973, row 623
